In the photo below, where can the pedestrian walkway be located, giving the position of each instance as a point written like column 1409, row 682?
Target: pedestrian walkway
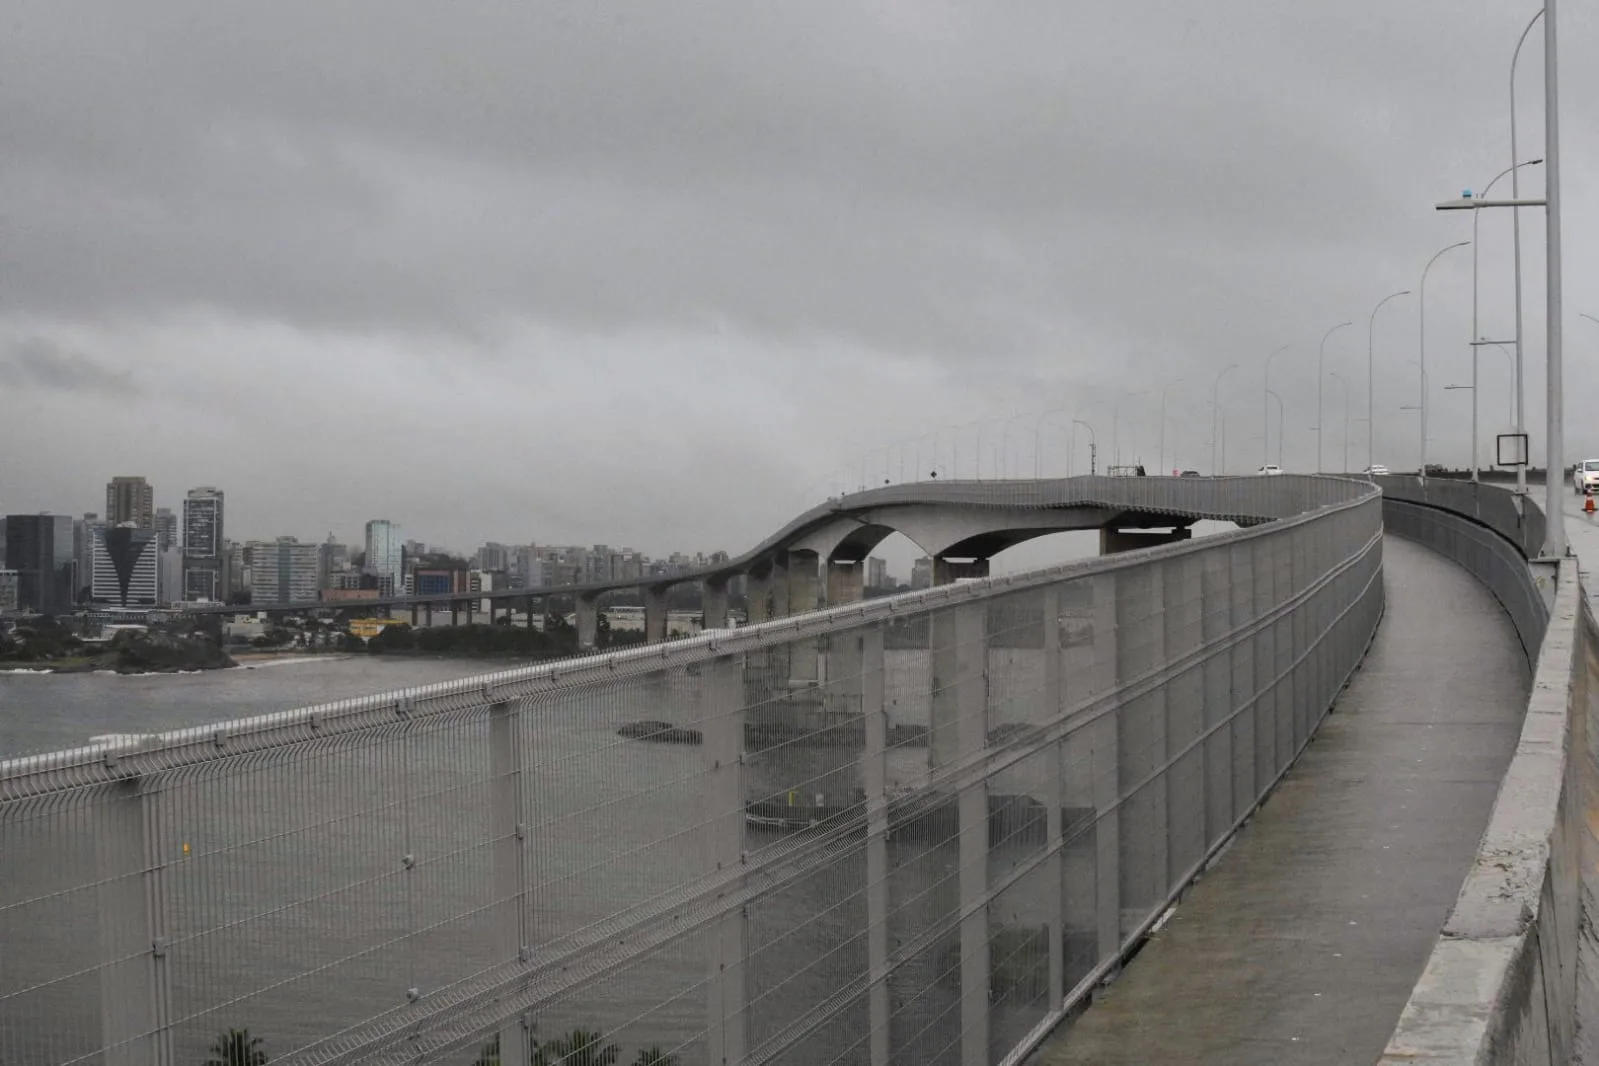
column 1301, row 945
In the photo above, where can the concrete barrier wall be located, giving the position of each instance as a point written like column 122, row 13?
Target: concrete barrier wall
column 1502, row 983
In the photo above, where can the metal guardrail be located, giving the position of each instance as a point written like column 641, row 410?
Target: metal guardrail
column 913, row 830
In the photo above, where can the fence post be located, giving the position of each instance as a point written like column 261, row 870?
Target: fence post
column 135, row 992
column 723, row 756
column 509, row 857
column 1053, row 704
column 874, row 779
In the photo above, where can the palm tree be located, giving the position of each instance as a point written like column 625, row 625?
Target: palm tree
column 580, row 1047
column 237, row 1047
column 654, row 1056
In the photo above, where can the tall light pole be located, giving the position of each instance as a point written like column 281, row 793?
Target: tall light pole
column 1163, row 391
column 1265, row 412
column 1515, row 223
column 1475, row 216
column 1215, row 412
column 1321, row 355
column 1272, row 393
column 1071, row 456
column 1422, row 317
column 1093, row 442
column 1115, row 426
column 1554, row 476
column 1345, row 382
column 1371, row 363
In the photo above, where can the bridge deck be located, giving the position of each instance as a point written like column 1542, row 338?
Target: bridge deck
column 1302, row 944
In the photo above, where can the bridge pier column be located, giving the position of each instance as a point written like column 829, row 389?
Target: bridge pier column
column 1113, row 541
column 804, row 595
column 135, row 991
column 588, row 620
column 508, row 858
column 949, row 571
column 757, row 597
column 713, row 604
column 414, row 615
column 723, row 816
column 874, row 780
column 845, row 583
column 470, row 606
column 780, row 590
column 654, row 614
column 455, row 613
column 427, row 613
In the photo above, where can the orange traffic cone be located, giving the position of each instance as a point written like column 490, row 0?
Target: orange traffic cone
column 1587, row 505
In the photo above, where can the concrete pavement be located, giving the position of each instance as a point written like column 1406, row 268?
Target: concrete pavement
column 1302, row 944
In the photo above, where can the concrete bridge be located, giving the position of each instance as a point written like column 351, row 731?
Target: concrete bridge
column 818, row 558
column 1092, row 813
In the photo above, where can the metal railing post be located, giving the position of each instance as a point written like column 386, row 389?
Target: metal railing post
column 723, row 760
column 135, row 990
column 960, row 703
column 509, row 858
column 874, row 779
column 1052, row 704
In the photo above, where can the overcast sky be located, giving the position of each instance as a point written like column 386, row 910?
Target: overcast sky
column 654, row 273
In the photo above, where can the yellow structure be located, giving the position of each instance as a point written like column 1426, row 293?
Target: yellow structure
column 367, row 628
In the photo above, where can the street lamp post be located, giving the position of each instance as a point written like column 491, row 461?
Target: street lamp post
column 1163, row 392
column 1555, row 528
column 1321, row 354
column 1345, row 383
column 1371, row 361
column 1422, row 317
column 1215, row 412
column 1515, row 224
column 1475, row 216
column 1071, row 457
column 1265, row 412
column 1093, row 443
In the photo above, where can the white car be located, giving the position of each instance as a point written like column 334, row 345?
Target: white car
column 1585, row 478
column 1269, row 470
column 1375, row 470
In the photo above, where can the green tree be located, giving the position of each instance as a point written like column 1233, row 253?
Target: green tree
column 394, row 638
column 236, row 1047
column 580, row 1047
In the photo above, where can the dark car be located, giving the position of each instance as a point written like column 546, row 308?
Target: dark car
column 1190, row 473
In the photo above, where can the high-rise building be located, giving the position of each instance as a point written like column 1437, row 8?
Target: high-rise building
column 8, row 590
column 39, row 549
column 170, row 586
column 282, row 571
column 877, row 573
column 385, row 555
column 126, row 566
column 333, row 559
column 203, row 555
column 166, row 529
column 922, row 573
column 130, row 499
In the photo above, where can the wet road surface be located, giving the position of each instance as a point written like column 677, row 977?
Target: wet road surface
column 1302, row 944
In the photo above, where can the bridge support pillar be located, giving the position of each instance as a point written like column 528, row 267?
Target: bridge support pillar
column 845, row 583
column 528, row 605
column 804, row 594
column 949, row 571
column 135, row 991
column 726, row 1030
column 471, row 605
column 415, row 612
column 1112, row 540
column 455, row 613
column 587, row 609
column 758, row 597
column 713, row 604
column 509, row 857
column 779, row 600
column 654, row 614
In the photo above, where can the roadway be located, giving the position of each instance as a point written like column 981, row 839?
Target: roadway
column 1302, row 943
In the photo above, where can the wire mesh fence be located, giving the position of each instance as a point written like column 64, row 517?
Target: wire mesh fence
column 912, row 830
